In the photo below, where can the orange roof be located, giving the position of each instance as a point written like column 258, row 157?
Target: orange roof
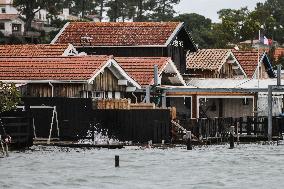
column 118, row 33
column 76, row 68
column 207, row 59
column 278, row 53
column 30, row 50
column 141, row 69
column 248, row 60
column 8, row 16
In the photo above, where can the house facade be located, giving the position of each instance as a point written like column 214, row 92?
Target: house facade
column 11, row 24
column 75, row 76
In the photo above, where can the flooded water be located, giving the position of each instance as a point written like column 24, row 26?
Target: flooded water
column 246, row 166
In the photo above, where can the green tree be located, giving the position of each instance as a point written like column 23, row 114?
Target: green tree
column 199, row 27
column 30, row 7
column 163, row 10
column 9, row 97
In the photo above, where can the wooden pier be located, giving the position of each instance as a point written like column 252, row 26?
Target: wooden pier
column 217, row 130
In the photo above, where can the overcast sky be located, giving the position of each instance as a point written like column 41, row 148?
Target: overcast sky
column 209, row 8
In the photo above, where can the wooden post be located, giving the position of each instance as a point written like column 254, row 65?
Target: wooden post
column 7, row 150
column 3, row 150
column 270, row 113
column 238, row 136
column 116, row 161
column 232, row 137
column 147, row 94
column 188, row 140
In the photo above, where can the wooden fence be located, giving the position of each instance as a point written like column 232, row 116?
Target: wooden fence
column 18, row 125
column 220, row 127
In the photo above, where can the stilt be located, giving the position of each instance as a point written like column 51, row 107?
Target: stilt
column 232, row 137
column 116, row 161
column 188, row 141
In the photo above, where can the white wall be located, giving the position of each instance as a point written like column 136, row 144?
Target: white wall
column 8, row 26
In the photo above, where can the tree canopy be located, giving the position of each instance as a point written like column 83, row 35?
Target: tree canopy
column 9, row 97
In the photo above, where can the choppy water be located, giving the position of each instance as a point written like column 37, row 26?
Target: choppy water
column 247, row 166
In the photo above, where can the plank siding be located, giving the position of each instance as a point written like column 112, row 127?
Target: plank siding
column 104, row 82
column 107, row 82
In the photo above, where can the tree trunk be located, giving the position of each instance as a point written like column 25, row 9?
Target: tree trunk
column 101, row 9
column 28, row 24
column 140, row 10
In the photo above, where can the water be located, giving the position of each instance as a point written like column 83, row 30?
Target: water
column 246, row 166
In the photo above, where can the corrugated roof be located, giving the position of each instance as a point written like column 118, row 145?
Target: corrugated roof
column 29, row 50
column 207, row 59
column 118, row 33
column 231, row 83
column 49, row 68
column 141, row 69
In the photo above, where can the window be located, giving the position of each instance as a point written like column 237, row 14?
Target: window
column 16, row 27
column 3, row 10
column 98, row 95
column 2, row 26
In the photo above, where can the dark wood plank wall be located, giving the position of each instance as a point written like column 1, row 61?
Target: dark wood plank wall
column 60, row 90
column 106, row 82
column 225, row 72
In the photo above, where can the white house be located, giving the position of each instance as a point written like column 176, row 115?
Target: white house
column 11, row 24
column 6, row 7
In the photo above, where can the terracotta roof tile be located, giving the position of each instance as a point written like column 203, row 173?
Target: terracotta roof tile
column 30, row 50
column 206, row 59
column 9, row 16
column 278, row 53
column 141, row 69
column 48, row 68
column 118, row 33
column 248, row 60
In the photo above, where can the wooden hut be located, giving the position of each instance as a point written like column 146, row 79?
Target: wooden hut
column 214, row 63
column 76, row 76
column 130, row 39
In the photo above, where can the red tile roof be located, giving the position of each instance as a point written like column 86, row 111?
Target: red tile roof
column 141, row 69
column 248, row 60
column 30, row 50
column 278, row 53
column 74, row 68
column 8, row 16
column 117, row 33
column 207, row 59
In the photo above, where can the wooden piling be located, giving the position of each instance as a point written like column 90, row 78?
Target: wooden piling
column 116, row 161
column 188, row 141
column 232, row 137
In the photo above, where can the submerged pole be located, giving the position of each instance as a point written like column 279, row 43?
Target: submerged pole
column 116, row 161
column 188, row 140
column 232, row 137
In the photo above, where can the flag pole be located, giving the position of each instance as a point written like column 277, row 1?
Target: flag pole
column 258, row 58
